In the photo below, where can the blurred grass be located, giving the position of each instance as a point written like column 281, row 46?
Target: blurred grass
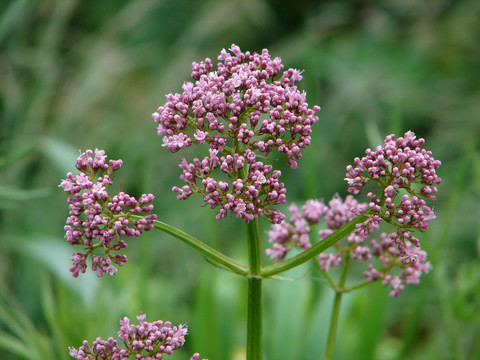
column 77, row 75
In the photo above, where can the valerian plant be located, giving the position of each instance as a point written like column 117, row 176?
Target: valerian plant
column 241, row 110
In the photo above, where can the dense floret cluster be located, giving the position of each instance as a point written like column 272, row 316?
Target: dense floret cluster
column 247, row 196
column 409, row 266
column 406, row 173
column 400, row 163
column 99, row 221
column 241, row 109
column 146, row 341
column 392, row 266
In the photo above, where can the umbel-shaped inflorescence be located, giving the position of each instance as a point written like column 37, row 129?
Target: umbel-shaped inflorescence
column 382, row 258
column 146, row 341
column 97, row 220
column 406, row 175
column 242, row 108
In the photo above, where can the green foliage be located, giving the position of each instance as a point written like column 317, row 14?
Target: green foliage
column 77, row 75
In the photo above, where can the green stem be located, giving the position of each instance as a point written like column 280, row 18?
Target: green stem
column 254, row 249
column 208, row 251
column 332, row 332
column 316, row 249
column 254, row 319
column 333, row 325
column 357, row 285
column 327, row 276
column 255, row 305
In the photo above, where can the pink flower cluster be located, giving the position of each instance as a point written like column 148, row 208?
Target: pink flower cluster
column 411, row 265
column 295, row 233
column 407, row 173
column 146, row 341
column 98, row 220
column 247, row 196
column 241, row 108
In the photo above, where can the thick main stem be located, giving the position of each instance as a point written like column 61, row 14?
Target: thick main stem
column 254, row 319
column 255, row 304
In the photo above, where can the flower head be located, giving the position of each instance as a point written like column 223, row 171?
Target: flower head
column 406, row 173
column 97, row 220
column 144, row 341
column 401, row 162
column 242, row 107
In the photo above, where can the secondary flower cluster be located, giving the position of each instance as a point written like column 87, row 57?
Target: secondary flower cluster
column 406, row 174
column 146, row 341
column 242, row 107
column 391, row 266
column 98, row 220
column 246, row 196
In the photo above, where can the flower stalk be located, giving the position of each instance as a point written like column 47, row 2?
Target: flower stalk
column 316, row 249
column 200, row 246
column 255, row 319
column 337, row 302
column 255, row 300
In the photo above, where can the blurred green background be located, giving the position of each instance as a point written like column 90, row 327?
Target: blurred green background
column 88, row 74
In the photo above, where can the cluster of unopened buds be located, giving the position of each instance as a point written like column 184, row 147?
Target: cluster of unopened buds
column 406, row 174
column 99, row 221
column 146, row 341
column 401, row 165
column 241, row 109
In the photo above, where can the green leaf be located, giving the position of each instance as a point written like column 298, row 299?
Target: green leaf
column 60, row 153
column 16, row 156
column 12, row 344
column 13, row 15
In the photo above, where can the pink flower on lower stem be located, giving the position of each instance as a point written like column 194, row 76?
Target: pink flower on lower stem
column 145, row 341
column 386, row 261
